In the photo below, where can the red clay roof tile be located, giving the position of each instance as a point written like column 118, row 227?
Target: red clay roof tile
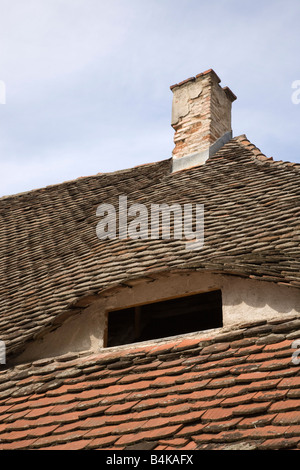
column 291, row 417
column 279, row 444
column 199, row 406
column 290, row 382
column 256, row 421
column 285, row 405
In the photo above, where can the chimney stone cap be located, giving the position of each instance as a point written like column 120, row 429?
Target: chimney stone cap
column 192, row 79
column 231, row 96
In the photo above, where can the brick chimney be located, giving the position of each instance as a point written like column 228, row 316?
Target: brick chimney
column 201, row 118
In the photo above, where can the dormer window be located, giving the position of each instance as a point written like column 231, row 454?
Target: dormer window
column 171, row 317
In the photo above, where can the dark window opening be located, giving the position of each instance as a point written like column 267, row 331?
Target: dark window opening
column 165, row 318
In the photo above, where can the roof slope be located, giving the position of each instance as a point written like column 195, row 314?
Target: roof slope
column 235, row 390
column 50, row 255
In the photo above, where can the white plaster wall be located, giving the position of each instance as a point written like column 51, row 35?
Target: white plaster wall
column 243, row 300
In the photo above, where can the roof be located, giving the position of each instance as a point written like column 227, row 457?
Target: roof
column 238, row 389
column 50, row 257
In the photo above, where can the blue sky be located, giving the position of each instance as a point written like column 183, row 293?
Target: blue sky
column 87, row 81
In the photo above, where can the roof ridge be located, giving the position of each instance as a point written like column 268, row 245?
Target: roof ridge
column 242, row 139
column 80, row 178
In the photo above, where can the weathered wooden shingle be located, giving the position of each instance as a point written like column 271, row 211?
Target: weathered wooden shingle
column 50, row 256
